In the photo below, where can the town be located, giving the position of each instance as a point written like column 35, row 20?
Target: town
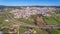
column 27, row 11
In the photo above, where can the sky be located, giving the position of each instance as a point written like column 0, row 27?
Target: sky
column 30, row 2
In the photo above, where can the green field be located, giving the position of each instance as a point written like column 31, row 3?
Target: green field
column 22, row 29
column 2, row 20
column 52, row 20
column 26, row 21
column 55, row 32
column 58, row 18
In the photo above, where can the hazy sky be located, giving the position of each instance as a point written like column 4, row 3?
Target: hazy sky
column 30, row 2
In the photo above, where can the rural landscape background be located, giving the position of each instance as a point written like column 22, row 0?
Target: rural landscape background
column 29, row 16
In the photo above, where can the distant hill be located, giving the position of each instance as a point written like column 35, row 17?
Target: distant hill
column 2, row 6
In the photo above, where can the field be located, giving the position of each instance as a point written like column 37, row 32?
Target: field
column 55, row 32
column 51, row 20
column 39, row 31
column 2, row 20
column 26, row 21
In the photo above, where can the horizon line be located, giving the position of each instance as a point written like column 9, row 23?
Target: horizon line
column 29, row 5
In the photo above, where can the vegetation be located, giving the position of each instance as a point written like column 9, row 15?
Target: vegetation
column 50, row 20
column 55, row 32
column 26, row 21
column 39, row 31
column 57, row 18
column 2, row 20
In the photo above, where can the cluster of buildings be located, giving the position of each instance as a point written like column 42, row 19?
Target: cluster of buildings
column 27, row 11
